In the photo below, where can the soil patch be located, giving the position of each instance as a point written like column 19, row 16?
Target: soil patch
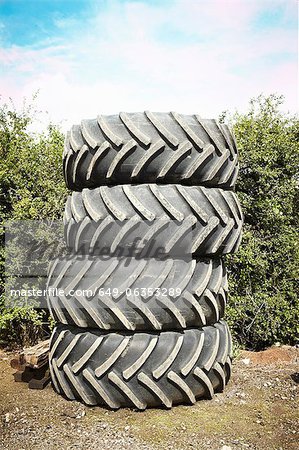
column 258, row 410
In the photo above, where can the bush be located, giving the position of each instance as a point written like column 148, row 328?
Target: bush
column 21, row 326
column 263, row 280
column 32, row 187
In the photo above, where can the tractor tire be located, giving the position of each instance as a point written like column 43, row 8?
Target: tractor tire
column 150, row 148
column 180, row 220
column 140, row 370
column 136, row 294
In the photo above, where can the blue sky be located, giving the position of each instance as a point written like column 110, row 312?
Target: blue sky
column 87, row 57
column 28, row 22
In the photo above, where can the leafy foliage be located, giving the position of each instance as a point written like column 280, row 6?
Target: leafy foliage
column 263, row 303
column 31, row 187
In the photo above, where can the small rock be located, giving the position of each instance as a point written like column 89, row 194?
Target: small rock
column 245, row 361
column 226, row 447
column 127, row 428
column 240, row 394
column 7, row 417
column 277, row 344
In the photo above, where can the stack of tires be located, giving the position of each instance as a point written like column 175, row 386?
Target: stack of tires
column 145, row 331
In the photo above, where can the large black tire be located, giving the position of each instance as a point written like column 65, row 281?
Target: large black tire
column 149, row 148
column 143, row 295
column 181, row 219
column 140, row 370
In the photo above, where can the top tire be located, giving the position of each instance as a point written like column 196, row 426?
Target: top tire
column 150, row 148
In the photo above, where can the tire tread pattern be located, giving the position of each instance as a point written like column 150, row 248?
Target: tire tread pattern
column 150, row 147
column 131, row 303
column 140, row 370
column 120, row 214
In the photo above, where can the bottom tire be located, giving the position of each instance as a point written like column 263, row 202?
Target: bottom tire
column 140, row 370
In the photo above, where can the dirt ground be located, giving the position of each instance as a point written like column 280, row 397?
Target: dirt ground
column 258, row 410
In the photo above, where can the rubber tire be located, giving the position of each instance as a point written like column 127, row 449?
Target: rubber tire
column 149, row 148
column 197, row 220
column 203, row 286
column 140, row 370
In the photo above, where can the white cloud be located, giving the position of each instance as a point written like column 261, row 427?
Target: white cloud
column 123, row 58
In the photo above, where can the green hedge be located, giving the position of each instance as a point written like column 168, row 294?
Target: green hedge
column 263, row 280
column 31, row 187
